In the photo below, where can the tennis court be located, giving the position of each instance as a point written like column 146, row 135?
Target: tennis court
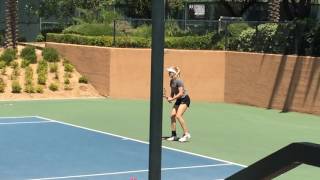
column 105, row 139
column 41, row 148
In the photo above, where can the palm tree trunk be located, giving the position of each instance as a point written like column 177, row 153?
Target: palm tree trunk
column 274, row 10
column 11, row 13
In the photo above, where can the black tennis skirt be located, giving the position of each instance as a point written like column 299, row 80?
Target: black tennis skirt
column 186, row 100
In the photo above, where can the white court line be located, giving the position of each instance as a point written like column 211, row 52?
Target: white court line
column 50, row 99
column 127, row 138
column 129, row 172
column 20, row 117
column 34, row 122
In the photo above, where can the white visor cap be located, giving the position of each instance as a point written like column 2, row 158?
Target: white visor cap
column 171, row 69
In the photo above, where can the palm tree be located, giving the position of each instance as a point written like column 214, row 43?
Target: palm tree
column 274, row 10
column 11, row 14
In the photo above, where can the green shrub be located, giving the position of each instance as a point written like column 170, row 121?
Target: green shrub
column 39, row 89
column 235, row 29
column 29, row 88
column 133, row 42
column 28, row 75
column 78, row 39
column 302, row 34
column 190, row 42
column 246, row 39
column 68, row 68
column 83, row 79
column 186, row 42
column 265, row 35
column 27, row 50
column 29, row 53
column 50, row 55
column 53, row 67
column 42, row 79
column 2, row 85
column 90, row 29
column 267, row 38
column 313, row 37
column 234, row 32
column 29, row 72
column 283, row 41
column 24, row 63
column 2, row 64
column 305, row 33
column 42, row 71
column 40, row 38
column 66, row 81
column 143, row 31
column 54, row 87
column 8, row 55
column 83, row 40
column 172, row 29
column 14, row 64
column 16, row 87
column 123, row 28
column 28, row 81
column 42, row 66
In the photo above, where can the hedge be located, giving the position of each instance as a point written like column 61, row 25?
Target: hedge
column 78, row 39
column 187, row 42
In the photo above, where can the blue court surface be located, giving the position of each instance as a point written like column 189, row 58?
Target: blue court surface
column 40, row 148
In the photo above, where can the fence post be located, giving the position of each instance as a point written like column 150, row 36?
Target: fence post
column 225, row 24
column 185, row 15
column 114, row 33
column 296, row 39
column 256, row 38
column 40, row 24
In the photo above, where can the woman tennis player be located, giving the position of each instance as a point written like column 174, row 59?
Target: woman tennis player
column 180, row 95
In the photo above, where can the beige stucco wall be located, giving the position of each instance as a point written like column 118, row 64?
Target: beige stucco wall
column 273, row 81
column 91, row 61
column 130, row 73
column 263, row 80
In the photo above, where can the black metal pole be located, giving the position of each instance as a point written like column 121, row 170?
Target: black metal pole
column 114, row 33
column 157, row 54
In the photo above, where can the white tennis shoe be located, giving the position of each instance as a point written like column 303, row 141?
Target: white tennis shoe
column 172, row 138
column 186, row 137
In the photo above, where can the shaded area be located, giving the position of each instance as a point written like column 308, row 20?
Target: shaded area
column 281, row 161
column 293, row 84
column 277, row 82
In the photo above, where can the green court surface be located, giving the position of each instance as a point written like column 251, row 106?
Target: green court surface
column 237, row 133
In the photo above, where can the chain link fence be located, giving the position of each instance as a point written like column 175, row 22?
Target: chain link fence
column 299, row 37
column 296, row 37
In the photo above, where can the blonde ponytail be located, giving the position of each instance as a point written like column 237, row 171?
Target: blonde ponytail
column 178, row 70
